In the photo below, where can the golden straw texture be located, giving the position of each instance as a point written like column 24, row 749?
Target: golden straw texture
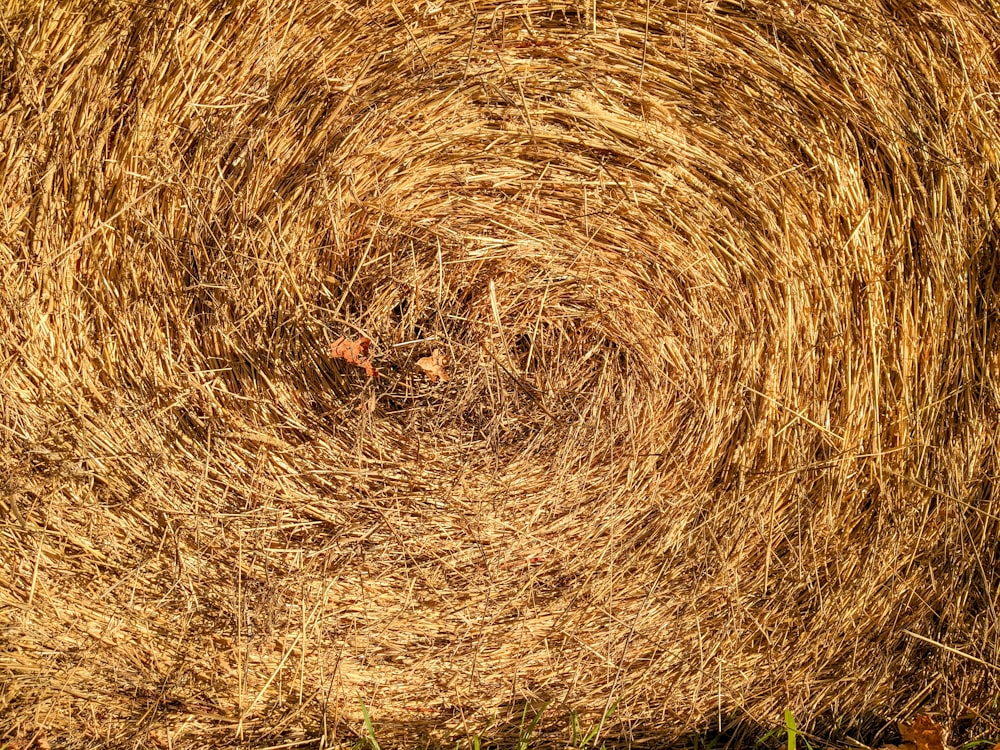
column 715, row 286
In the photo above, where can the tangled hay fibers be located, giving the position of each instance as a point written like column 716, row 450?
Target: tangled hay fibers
column 716, row 285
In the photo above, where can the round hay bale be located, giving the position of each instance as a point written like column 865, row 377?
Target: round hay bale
column 679, row 407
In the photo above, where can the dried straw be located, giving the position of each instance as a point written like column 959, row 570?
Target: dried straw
column 718, row 288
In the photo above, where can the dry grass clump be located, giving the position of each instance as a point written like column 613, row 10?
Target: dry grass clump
column 716, row 286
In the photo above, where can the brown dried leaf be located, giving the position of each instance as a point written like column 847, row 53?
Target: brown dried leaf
column 922, row 734
column 354, row 353
column 434, row 366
